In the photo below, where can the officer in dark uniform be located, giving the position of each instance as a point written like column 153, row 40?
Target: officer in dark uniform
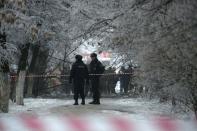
column 96, row 67
column 78, row 75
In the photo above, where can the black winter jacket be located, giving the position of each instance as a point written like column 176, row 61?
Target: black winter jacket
column 79, row 72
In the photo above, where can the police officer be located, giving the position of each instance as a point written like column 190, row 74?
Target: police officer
column 96, row 67
column 78, row 75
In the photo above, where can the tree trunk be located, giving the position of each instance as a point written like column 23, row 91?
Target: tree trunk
column 4, row 92
column 39, row 82
column 30, row 85
column 4, row 79
column 20, row 88
column 13, row 82
column 22, row 73
column 32, row 71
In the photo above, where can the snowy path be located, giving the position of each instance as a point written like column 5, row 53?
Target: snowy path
column 138, row 108
column 123, row 107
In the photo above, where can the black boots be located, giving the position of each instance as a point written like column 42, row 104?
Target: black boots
column 96, row 102
column 93, row 102
column 83, row 102
column 76, row 102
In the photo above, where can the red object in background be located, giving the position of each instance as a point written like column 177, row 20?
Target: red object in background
column 105, row 54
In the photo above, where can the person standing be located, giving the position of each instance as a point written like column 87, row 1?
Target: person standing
column 96, row 68
column 78, row 75
column 124, row 80
column 127, row 80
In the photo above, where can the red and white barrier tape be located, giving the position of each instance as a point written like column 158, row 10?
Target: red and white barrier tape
column 96, row 123
column 45, row 76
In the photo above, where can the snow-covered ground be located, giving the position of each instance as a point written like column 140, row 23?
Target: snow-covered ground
column 138, row 108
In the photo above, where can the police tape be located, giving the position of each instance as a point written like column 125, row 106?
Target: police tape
column 58, row 75
column 93, row 123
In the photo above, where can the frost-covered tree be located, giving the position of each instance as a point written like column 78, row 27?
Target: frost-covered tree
column 10, row 12
column 161, row 38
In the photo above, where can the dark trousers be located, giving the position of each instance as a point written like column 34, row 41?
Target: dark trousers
column 79, row 89
column 124, row 86
column 95, row 89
